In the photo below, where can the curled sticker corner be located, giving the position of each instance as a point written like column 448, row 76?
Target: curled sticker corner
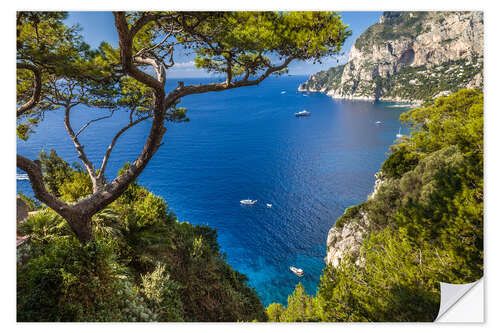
column 451, row 294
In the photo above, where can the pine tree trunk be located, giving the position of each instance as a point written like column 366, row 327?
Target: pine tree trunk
column 82, row 227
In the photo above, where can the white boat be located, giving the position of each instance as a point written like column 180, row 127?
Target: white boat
column 378, row 122
column 247, row 202
column 283, row 92
column 303, row 113
column 269, row 205
column 399, row 135
column 297, row 271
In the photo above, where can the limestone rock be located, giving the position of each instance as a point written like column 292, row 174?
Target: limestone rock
column 420, row 46
column 348, row 238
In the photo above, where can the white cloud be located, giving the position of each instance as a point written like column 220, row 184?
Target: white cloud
column 184, row 65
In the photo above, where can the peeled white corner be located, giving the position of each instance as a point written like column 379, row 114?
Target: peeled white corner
column 462, row 303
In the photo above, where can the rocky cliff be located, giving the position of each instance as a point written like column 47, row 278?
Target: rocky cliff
column 347, row 235
column 409, row 56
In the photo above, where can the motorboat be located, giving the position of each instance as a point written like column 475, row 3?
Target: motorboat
column 302, row 113
column 269, row 205
column 283, row 92
column 399, row 135
column 247, row 202
column 297, row 271
column 378, row 122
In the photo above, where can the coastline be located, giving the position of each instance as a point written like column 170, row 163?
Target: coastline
column 333, row 95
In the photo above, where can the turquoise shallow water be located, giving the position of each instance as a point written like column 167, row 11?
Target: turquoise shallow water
column 247, row 143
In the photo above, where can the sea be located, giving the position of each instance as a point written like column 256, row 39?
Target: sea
column 247, row 143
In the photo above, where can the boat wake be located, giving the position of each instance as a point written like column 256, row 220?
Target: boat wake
column 22, row 176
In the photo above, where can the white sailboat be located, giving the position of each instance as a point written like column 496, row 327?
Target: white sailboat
column 297, row 271
column 399, row 135
column 303, row 113
column 247, row 202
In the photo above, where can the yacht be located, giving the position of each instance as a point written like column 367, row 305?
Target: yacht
column 269, row 205
column 303, row 113
column 297, row 271
column 247, row 202
column 399, row 135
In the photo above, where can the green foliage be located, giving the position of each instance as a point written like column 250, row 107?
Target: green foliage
column 453, row 120
column 77, row 187
column 423, row 83
column 68, row 183
column 399, row 162
column 163, row 294
column 300, row 307
column 57, row 51
column 30, row 202
column 396, row 282
column 64, row 281
column 349, row 214
column 274, row 311
column 329, row 79
column 45, row 226
column 251, row 37
column 55, row 171
column 397, row 25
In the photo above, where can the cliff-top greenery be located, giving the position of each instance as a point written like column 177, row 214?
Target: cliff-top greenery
column 397, row 25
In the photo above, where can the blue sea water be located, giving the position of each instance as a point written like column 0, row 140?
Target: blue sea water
column 247, row 144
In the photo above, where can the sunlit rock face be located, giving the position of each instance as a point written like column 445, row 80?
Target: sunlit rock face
column 429, row 42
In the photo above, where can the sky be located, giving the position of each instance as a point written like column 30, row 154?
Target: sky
column 99, row 26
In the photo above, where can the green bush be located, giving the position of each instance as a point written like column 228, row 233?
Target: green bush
column 396, row 282
column 400, row 162
column 300, row 307
column 162, row 294
column 30, row 202
column 274, row 311
column 64, row 281
column 45, row 226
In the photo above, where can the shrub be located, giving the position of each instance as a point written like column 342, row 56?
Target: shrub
column 162, row 294
column 274, row 311
column 68, row 282
column 399, row 162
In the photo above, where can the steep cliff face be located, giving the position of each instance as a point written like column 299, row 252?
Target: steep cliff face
column 409, row 56
column 348, row 234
